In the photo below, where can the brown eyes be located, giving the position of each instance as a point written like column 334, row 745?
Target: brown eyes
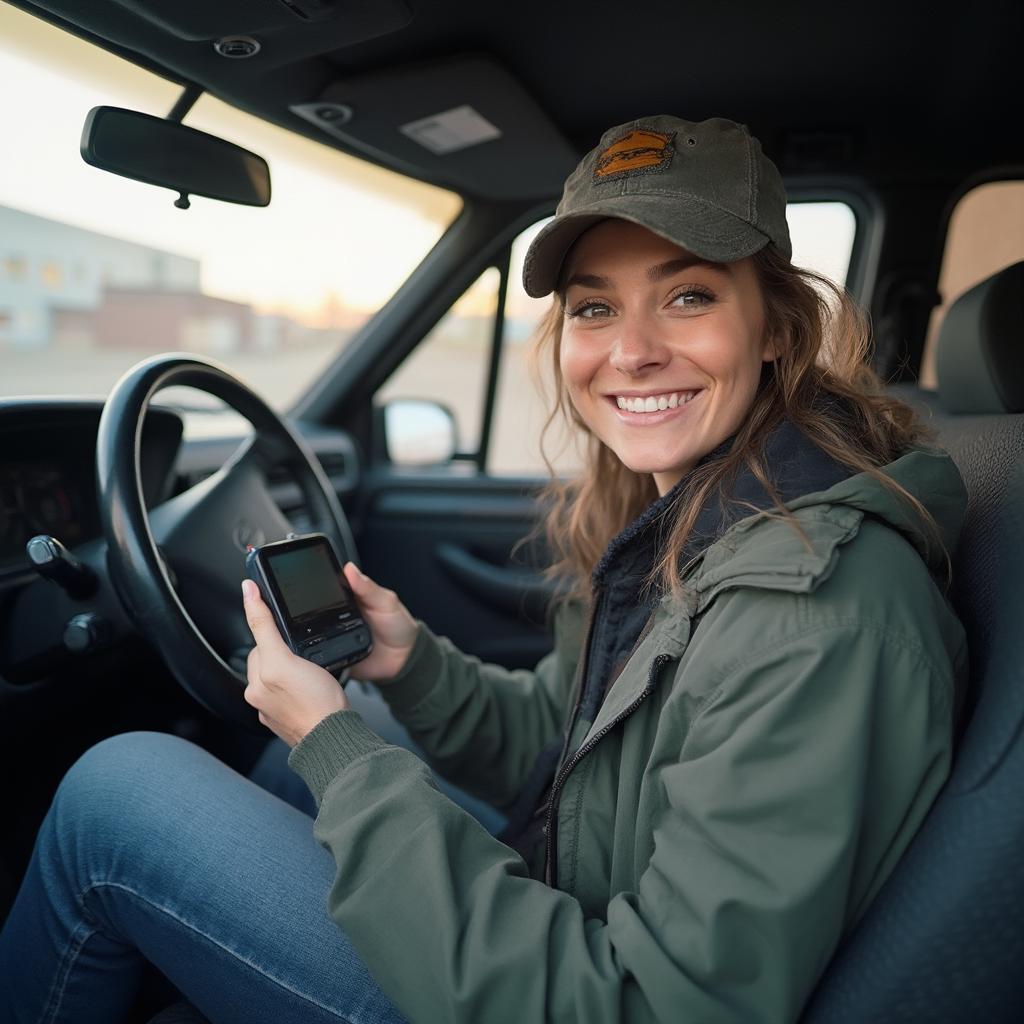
column 590, row 311
column 695, row 298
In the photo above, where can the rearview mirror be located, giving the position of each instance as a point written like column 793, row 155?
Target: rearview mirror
column 169, row 154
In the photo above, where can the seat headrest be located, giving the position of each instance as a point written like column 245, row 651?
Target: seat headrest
column 980, row 354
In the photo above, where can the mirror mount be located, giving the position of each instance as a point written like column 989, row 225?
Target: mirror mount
column 184, row 103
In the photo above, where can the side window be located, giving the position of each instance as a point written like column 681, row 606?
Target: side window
column 986, row 234
column 521, row 408
column 450, row 366
column 822, row 235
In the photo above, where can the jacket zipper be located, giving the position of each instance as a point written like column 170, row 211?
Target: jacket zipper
column 550, row 874
column 581, row 677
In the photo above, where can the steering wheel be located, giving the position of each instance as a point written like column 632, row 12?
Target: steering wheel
column 177, row 569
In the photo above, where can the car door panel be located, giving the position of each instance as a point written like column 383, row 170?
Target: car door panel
column 449, row 547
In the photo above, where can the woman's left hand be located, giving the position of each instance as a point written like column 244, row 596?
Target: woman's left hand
column 291, row 694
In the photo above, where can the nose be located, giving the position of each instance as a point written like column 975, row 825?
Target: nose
column 638, row 346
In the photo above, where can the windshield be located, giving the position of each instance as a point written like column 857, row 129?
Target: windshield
column 98, row 272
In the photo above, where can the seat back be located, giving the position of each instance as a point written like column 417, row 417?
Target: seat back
column 944, row 939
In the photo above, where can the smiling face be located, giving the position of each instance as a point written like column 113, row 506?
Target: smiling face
column 661, row 352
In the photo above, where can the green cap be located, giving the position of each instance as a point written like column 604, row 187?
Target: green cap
column 704, row 185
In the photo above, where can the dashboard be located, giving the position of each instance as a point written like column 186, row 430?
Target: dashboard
column 48, row 486
column 48, row 470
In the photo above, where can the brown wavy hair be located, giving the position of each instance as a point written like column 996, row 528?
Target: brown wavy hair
column 823, row 346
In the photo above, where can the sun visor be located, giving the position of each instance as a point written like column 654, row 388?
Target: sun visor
column 464, row 123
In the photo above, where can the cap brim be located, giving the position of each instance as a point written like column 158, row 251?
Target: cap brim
column 705, row 230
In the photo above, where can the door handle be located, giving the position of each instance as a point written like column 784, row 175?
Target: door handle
column 508, row 589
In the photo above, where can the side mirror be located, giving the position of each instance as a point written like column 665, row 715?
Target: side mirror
column 169, row 154
column 418, row 432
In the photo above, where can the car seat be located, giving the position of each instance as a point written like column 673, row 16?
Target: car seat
column 943, row 941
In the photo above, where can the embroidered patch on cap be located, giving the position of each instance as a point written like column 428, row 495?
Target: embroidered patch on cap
column 640, row 150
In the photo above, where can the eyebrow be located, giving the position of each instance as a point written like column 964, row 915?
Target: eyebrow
column 656, row 273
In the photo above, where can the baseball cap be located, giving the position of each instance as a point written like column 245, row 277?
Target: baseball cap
column 704, row 185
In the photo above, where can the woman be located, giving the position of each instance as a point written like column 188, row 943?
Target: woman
column 746, row 716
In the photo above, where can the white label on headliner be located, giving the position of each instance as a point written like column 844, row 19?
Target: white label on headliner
column 453, row 130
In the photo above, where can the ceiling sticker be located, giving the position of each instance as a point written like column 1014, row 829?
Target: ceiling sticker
column 451, row 131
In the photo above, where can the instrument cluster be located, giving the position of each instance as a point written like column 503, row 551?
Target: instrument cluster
column 44, row 496
column 48, row 471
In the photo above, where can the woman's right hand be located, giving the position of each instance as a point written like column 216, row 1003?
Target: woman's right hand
column 393, row 628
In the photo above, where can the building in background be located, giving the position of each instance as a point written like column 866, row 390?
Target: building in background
column 51, row 272
column 67, row 288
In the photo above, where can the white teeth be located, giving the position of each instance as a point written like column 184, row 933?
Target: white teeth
column 652, row 404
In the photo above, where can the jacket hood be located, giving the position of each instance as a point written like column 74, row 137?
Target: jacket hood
column 764, row 550
column 931, row 476
column 829, row 499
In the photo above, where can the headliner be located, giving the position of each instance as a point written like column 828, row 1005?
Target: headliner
column 886, row 92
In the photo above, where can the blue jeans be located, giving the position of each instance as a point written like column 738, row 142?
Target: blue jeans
column 154, row 849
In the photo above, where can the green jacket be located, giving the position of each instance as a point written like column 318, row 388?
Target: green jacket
column 751, row 779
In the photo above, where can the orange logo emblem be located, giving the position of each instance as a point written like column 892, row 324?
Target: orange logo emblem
column 633, row 152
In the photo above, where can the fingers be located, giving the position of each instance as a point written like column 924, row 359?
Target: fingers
column 272, row 724
column 252, row 693
column 256, row 694
column 261, row 621
column 252, row 665
column 372, row 596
